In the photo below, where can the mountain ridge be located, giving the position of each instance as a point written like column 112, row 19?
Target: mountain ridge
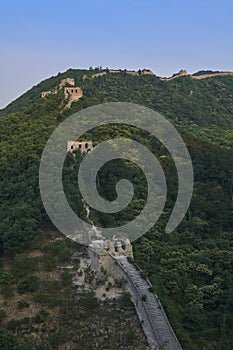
column 99, row 72
column 191, row 269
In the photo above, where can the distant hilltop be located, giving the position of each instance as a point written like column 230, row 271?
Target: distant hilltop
column 74, row 93
column 202, row 75
column 181, row 73
column 119, row 71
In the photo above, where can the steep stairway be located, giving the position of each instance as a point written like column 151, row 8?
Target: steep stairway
column 155, row 323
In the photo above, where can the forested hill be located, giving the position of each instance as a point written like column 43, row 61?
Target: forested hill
column 204, row 107
column 192, row 268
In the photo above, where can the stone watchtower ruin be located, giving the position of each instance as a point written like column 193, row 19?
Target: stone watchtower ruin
column 102, row 252
column 72, row 93
column 84, row 146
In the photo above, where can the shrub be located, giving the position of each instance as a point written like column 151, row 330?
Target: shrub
column 130, row 335
column 66, row 279
column 6, row 278
column 48, row 299
column 144, row 297
column 152, row 289
column 125, row 300
column 130, row 260
column 28, row 284
column 60, row 251
column 143, row 274
column 24, row 265
column 120, row 282
column 21, row 304
column 41, row 316
column 2, row 315
column 7, row 292
column 50, row 263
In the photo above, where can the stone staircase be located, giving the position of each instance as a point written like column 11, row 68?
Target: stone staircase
column 157, row 328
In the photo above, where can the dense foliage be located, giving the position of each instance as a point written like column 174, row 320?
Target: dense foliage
column 191, row 269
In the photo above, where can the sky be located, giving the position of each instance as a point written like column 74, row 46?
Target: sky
column 40, row 38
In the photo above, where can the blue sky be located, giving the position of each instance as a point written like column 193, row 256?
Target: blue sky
column 41, row 38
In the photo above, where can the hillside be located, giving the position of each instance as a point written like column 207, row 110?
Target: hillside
column 191, row 269
column 204, row 106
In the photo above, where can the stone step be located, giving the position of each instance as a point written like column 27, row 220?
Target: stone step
column 156, row 315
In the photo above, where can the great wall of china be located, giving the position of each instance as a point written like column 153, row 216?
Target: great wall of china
column 113, row 256
column 181, row 73
column 73, row 93
column 184, row 73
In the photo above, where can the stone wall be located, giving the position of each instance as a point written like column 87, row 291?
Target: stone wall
column 45, row 93
column 114, row 71
column 73, row 93
column 147, row 72
column 99, row 74
column 118, row 71
column 154, row 321
column 65, row 81
column 111, row 256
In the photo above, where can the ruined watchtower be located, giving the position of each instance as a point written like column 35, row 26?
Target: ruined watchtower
column 72, row 93
column 75, row 93
column 84, row 146
column 101, row 252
